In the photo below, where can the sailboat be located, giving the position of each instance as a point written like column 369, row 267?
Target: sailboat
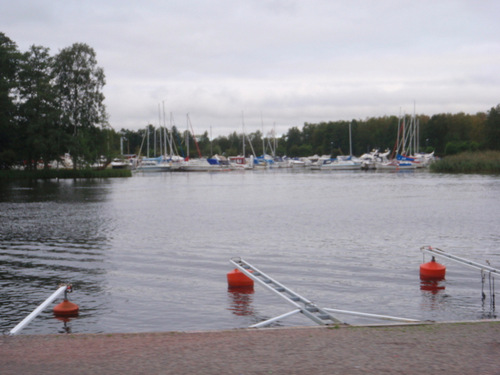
column 124, row 161
column 151, row 164
column 214, row 164
column 370, row 159
column 403, row 145
column 341, row 162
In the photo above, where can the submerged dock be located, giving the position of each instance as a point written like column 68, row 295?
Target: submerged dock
column 444, row 348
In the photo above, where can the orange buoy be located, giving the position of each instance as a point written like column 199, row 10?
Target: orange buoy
column 432, row 270
column 236, row 278
column 66, row 308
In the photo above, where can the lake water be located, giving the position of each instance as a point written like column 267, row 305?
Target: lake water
column 151, row 252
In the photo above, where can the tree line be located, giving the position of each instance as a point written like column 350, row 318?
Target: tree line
column 54, row 104
column 51, row 105
column 445, row 134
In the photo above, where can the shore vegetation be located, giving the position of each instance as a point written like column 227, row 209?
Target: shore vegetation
column 469, row 162
column 48, row 174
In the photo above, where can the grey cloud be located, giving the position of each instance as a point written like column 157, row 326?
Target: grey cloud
column 280, row 62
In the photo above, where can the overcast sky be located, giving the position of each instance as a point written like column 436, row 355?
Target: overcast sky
column 274, row 63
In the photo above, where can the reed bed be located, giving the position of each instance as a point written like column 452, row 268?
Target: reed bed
column 469, row 162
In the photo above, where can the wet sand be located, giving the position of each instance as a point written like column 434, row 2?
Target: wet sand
column 435, row 348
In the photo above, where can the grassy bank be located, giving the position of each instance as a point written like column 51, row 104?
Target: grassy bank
column 64, row 173
column 469, row 162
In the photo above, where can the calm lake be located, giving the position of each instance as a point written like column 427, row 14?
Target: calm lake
column 151, row 252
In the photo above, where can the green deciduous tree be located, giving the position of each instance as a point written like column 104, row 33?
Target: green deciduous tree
column 40, row 132
column 9, row 62
column 492, row 128
column 293, row 141
column 79, row 83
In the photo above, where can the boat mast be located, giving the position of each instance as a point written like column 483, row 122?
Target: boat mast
column 274, row 139
column 159, row 125
column 416, row 130
column 243, row 136
column 263, row 140
column 395, row 150
column 418, row 136
column 403, row 143
column 171, row 139
column 165, row 136
column 249, row 140
column 164, row 131
column 187, row 136
column 271, row 142
column 154, row 142
column 147, row 144
column 350, row 140
column 194, row 137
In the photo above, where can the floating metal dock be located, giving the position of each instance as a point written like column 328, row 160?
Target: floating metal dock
column 321, row 316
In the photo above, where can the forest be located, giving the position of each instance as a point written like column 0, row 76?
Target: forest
column 51, row 105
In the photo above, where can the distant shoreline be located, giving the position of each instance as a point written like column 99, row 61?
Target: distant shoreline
column 48, row 174
column 481, row 162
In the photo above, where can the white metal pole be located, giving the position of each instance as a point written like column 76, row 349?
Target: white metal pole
column 464, row 261
column 386, row 317
column 269, row 321
column 37, row 311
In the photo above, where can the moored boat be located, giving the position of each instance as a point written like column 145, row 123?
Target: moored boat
column 240, row 163
column 395, row 165
column 369, row 160
column 216, row 163
column 124, row 162
column 339, row 163
column 159, row 164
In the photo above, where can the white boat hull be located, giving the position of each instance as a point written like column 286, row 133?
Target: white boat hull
column 394, row 166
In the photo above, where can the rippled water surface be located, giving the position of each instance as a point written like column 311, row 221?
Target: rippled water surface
column 151, row 252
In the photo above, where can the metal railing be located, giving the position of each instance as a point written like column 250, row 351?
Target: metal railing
column 62, row 289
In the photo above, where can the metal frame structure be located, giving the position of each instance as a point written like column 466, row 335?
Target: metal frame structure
column 317, row 314
column 465, row 262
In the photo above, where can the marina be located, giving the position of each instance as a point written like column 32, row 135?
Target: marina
column 151, row 253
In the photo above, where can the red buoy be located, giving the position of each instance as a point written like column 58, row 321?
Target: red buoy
column 66, row 308
column 236, row 278
column 432, row 270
